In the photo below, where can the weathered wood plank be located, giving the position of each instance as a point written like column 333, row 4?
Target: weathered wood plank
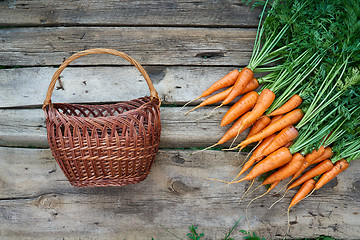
column 175, row 85
column 148, row 13
column 26, row 128
column 176, row 195
column 148, row 45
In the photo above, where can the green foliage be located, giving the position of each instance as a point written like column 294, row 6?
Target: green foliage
column 227, row 236
column 193, row 234
column 254, row 3
column 250, row 236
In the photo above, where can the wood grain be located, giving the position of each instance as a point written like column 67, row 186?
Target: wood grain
column 176, row 195
column 26, row 128
column 176, row 85
column 148, row 45
column 120, row 13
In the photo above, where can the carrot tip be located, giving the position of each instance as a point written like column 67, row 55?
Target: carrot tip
column 219, row 180
column 189, row 102
column 191, row 110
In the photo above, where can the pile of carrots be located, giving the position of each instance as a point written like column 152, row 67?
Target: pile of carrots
column 306, row 113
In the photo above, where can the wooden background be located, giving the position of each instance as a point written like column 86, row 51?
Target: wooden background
column 185, row 46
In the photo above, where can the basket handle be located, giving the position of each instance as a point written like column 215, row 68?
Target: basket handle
column 56, row 75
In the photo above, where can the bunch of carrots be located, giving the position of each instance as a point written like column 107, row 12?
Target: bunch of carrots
column 306, row 113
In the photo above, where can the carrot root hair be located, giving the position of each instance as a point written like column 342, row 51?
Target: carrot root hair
column 219, row 180
column 208, row 114
column 246, row 215
column 194, row 108
column 205, row 148
column 237, row 135
column 243, row 196
column 189, row 103
column 279, row 200
column 288, row 223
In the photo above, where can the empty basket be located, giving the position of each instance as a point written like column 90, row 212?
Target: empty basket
column 104, row 145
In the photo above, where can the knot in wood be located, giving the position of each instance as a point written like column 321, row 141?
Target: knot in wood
column 48, row 201
column 177, row 187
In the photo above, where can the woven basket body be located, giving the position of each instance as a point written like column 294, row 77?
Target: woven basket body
column 104, row 145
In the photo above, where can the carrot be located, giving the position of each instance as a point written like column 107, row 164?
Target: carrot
column 252, row 85
column 243, row 79
column 316, row 153
column 322, row 167
column 286, row 171
column 328, row 153
column 304, row 190
column 242, row 106
column 256, row 156
column 286, row 135
column 277, row 159
column 272, row 186
column 259, row 125
column 222, row 95
column 290, row 105
column 260, row 149
column 288, row 119
column 228, row 80
column 264, row 101
column 211, row 100
column 230, row 133
column 309, row 158
column 234, row 130
column 339, row 166
column 275, row 118
column 288, row 144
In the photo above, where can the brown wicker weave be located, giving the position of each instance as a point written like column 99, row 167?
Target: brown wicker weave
column 104, row 145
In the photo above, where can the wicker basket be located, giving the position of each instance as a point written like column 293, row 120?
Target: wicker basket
column 104, row 145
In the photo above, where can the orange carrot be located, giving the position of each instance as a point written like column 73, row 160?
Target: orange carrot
column 259, row 125
column 316, row 153
column 252, row 85
column 233, row 131
column 288, row 144
column 228, row 80
column 322, row 167
column 211, row 100
column 272, row 186
column 290, row 105
column 286, row 171
column 328, row 153
column 304, row 190
column 264, row 101
column 230, row 133
column 277, row 117
column 222, row 95
column 286, row 135
column 243, row 79
column 277, row 159
column 309, row 158
column 256, row 156
column 288, row 119
column 339, row 166
column 242, row 106
column 263, row 145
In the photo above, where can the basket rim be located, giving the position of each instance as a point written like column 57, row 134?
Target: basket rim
column 150, row 101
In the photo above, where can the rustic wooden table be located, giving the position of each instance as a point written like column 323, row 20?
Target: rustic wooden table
column 184, row 46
